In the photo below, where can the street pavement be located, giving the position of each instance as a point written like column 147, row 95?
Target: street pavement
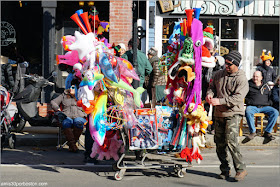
column 49, row 167
column 36, row 162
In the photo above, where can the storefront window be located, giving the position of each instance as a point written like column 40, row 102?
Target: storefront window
column 230, row 45
column 214, row 22
column 168, row 25
column 229, row 29
column 225, row 29
column 266, row 37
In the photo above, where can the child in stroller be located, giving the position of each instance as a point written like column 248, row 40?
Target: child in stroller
column 8, row 111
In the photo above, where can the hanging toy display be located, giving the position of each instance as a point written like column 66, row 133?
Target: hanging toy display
column 106, row 95
column 190, row 45
column 104, row 80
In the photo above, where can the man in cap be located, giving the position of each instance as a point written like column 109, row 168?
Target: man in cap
column 227, row 92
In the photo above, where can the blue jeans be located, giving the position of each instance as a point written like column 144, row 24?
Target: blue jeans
column 270, row 111
column 77, row 122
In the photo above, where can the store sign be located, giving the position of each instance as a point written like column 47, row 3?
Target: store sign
column 8, row 34
column 232, row 8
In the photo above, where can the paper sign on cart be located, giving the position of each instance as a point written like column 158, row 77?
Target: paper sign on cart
column 165, row 125
column 144, row 135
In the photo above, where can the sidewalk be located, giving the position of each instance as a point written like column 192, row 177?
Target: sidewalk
column 48, row 136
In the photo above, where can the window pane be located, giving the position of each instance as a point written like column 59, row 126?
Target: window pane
column 229, row 28
column 226, row 47
column 214, row 22
column 168, row 26
column 268, row 39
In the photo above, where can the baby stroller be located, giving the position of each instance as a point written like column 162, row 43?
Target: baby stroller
column 7, row 116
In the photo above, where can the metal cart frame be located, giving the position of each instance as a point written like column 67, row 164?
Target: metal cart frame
column 157, row 162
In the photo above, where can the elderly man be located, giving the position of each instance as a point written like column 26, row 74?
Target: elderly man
column 258, row 100
column 227, row 92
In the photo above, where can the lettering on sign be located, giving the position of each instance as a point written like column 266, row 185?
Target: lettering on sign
column 8, row 34
column 235, row 7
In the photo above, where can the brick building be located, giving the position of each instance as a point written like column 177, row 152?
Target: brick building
column 36, row 28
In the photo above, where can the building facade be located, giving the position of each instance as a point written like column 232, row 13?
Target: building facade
column 247, row 26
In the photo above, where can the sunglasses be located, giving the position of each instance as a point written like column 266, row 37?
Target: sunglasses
column 228, row 64
column 72, row 87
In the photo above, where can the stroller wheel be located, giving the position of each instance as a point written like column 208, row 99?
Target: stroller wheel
column 12, row 141
column 18, row 124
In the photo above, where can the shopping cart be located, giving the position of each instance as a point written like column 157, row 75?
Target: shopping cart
column 147, row 132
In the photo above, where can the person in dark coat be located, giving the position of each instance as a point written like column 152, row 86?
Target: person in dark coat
column 7, row 79
column 268, row 73
column 275, row 93
column 144, row 67
column 258, row 100
column 157, row 79
column 76, row 117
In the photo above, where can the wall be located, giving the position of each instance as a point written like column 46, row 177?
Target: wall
column 120, row 21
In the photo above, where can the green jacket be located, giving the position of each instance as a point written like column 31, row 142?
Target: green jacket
column 144, row 66
column 231, row 91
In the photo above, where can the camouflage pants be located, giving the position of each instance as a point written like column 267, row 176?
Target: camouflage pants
column 226, row 139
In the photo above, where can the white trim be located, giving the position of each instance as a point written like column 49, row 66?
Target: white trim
column 147, row 25
column 240, row 39
column 158, row 34
column 248, row 57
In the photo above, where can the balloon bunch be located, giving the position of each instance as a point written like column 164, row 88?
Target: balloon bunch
column 188, row 53
column 104, row 79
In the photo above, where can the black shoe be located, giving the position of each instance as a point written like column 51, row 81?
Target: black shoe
column 224, row 175
column 251, row 136
column 268, row 136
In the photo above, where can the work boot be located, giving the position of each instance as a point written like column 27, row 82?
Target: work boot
column 77, row 133
column 251, row 136
column 70, row 140
column 224, row 175
column 268, row 136
column 240, row 175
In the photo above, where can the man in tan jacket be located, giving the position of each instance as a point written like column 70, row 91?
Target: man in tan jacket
column 227, row 92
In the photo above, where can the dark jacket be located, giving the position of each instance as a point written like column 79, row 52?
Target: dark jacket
column 268, row 73
column 275, row 97
column 157, row 77
column 258, row 95
column 144, row 66
column 69, row 105
column 7, row 79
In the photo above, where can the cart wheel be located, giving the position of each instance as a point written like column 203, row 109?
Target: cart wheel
column 12, row 141
column 118, row 175
column 180, row 173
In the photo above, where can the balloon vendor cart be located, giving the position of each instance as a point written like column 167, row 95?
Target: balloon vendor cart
column 165, row 136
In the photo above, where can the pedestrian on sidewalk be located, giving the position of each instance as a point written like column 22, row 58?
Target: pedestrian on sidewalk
column 227, row 92
column 258, row 100
column 73, row 124
column 156, row 81
column 144, row 67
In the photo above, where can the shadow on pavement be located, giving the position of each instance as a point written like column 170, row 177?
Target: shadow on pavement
column 207, row 174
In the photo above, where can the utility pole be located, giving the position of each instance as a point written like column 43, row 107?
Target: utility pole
column 135, row 83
